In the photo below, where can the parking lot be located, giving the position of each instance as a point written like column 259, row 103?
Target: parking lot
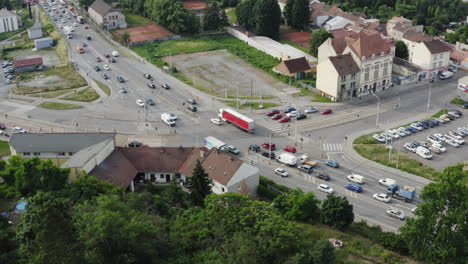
column 453, row 155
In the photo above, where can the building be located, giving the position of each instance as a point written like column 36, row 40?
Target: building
column 35, row 32
column 320, row 14
column 459, row 58
column 406, row 71
column 338, row 77
column 371, row 53
column 296, row 68
column 399, row 26
column 462, row 89
column 9, row 21
column 337, row 23
column 28, row 65
column 43, row 43
column 107, row 16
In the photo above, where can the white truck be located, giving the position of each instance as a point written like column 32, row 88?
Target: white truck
column 424, row 152
column 287, row 158
column 166, row 118
column 446, row 75
column 212, row 142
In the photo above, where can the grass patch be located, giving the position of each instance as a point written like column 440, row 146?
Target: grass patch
column 299, row 47
column 232, row 17
column 366, row 139
column 85, row 95
column 458, row 101
column 4, row 149
column 379, row 154
column 54, row 94
column 134, row 19
column 67, row 73
column 59, row 106
column 61, row 44
column 103, row 87
column 440, row 112
column 248, row 105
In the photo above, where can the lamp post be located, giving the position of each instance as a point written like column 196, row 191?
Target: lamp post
column 429, row 97
column 378, row 110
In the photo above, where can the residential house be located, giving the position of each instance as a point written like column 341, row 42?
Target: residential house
column 296, row 68
column 399, row 26
column 372, row 54
column 106, row 15
column 35, row 32
column 9, row 21
column 320, row 14
column 338, row 77
column 28, row 65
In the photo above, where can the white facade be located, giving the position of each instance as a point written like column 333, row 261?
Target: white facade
column 114, row 20
column 9, row 21
column 334, row 86
column 420, row 55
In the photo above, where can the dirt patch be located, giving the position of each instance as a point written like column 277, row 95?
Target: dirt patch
column 220, row 73
column 49, row 56
column 300, row 38
column 46, row 81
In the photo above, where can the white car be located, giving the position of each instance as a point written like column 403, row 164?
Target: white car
column 379, row 138
column 403, row 130
column 382, row 197
column 452, row 143
column 281, row 172
column 458, row 141
column 416, row 126
column 18, row 130
column 433, row 140
column 115, row 53
column 311, row 110
column 106, row 67
column 75, row 24
column 440, row 137
column 398, row 132
column 387, row 182
column 63, row 21
column 293, row 114
column 173, row 116
column 440, row 147
column 393, row 134
column 325, row 188
column 393, row 212
column 456, row 134
column 233, row 150
column 386, row 136
column 216, row 121
column 140, row 103
column 410, row 147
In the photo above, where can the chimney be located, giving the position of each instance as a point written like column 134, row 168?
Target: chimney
column 202, row 153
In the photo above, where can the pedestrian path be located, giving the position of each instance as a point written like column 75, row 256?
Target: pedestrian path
column 333, row 147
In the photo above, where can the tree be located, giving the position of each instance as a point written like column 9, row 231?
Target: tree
column 300, row 14
column 287, row 12
column 401, row 50
column 337, row 212
column 439, row 232
column 86, row 187
column 125, row 38
column 215, row 18
column 323, row 252
column 317, row 39
column 172, row 15
column 298, row 206
column 267, row 18
column 245, row 15
column 199, row 185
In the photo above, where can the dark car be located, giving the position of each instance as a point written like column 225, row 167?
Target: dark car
column 458, row 112
column 422, row 124
column 97, row 68
column 434, row 122
column 267, row 155
column 451, row 117
column 88, row 37
column 105, row 77
column 150, row 101
column 120, row 79
column 254, row 147
column 301, row 116
column 166, row 86
column 191, row 101
column 289, row 109
column 151, row 85
column 465, row 106
column 322, row 176
column 273, row 112
column 112, row 60
column 135, row 144
column 428, row 123
column 306, row 168
column 354, row 187
column 107, row 55
column 192, row 108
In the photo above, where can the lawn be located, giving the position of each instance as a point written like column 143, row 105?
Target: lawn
column 53, row 94
column 134, row 19
column 440, row 112
column 103, row 87
column 248, row 105
column 4, row 148
column 379, row 153
column 58, row 106
column 232, row 17
column 85, row 95
column 458, row 101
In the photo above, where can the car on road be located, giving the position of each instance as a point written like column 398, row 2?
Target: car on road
column 387, row 182
column 301, row 116
column 332, row 163
column 281, row 172
column 290, row 149
column 254, row 147
column 306, row 168
column 382, row 197
column 277, row 116
column 107, row 55
column 233, row 150
column 273, row 112
column 322, row 175
column 191, row 101
column 147, row 76
column 284, row 119
column 151, row 85
column 289, row 109
column 326, row 112
column 379, row 138
column 166, row 86
column 106, row 67
column 19, row 130
column 84, row 44
column 216, row 121
column 173, row 116
column 2, row 126
column 104, row 76
column 135, row 144
column 98, row 59
column 192, row 108
column 140, row 103
column 123, row 91
column 97, row 68
column 311, row 110
column 115, row 53
column 269, row 146
column 150, row 101
column 353, row 187
column 268, row 155
column 293, row 114
column 325, row 188
column 465, row 106
column 416, row 126
column 120, row 79
column 395, row 213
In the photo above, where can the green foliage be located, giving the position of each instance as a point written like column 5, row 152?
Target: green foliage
column 5, row 4
column 323, row 253
column 337, row 212
column 317, row 39
column 458, row 101
column 388, row 240
column 230, row 3
column 172, row 15
column 215, row 18
column 263, row 17
column 439, row 231
column 440, row 112
column 125, row 38
column 401, row 50
column 297, row 13
column 199, row 185
column 298, row 206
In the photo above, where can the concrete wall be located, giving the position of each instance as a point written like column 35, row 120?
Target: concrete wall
column 9, row 23
column 327, row 79
column 26, row 69
column 245, row 176
column 218, row 188
column 95, row 16
column 326, row 50
column 44, row 43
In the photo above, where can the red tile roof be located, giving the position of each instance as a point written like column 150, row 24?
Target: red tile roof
column 458, row 55
column 416, row 36
column 344, row 64
column 27, row 62
column 370, row 43
column 195, row 5
column 221, row 166
column 338, row 33
column 288, row 67
column 437, row 46
column 147, row 159
column 116, row 169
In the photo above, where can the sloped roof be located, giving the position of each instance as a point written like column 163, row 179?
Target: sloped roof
column 338, row 33
column 412, row 35
column 292, row 66
column 27, row 62
column 116, row 169
column 6, row 13
column 101, row 7
column 404, row 63
column 344, row 64
column 369, row 43
column 458, row 55
column 339, row 44
column 221, row 166
column 56, row 142
column 160, row 159
column 437, row 46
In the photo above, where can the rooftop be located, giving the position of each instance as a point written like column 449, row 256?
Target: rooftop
column 344, row 64
column 412, row 35
column 437, row 46
column 288, row 67
column 411, row 66
column 27, row 62
column 5, row 13
column 101, row 7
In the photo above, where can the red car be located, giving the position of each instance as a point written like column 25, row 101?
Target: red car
column 2, row 126
column 276, row 117
column 290, row 149
column 327, row 111
column 86, row 27
column 269, row 146
column 98, row 59
column 284, row 119
column 273, row 112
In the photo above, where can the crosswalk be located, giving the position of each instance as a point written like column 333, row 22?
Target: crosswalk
column 333, row 147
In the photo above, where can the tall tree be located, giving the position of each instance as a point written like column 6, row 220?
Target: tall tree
column 323, row 252
column 245, row 15
column 439, row 232
column 267, row 18
column 337, row 212
column 300, row 14
column 215, row 18
column 401, row 50
column 199, row 185
column 287, row 12
column 317, row 39
column 172, row 15
column 298, row 206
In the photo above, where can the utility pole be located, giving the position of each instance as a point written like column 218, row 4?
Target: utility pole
column 378, row 110
column 269, row 149
column 429, row 97
column 237, row 95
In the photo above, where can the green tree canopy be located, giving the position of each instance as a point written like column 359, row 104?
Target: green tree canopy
column 298, row 206
column 172, row 15
column 439, row 232
column 317, row 39
column 401, row 50
column 199, row 185
column 215, row 18
column 337, row 212
column 300, row 14
column 263, row 17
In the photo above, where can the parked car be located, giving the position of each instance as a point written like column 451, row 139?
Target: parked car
column 382, row 197
column 301, row 116
column 269, row 146
column 465, row 106
column 166, row 86
column 233, row 150
column 276, row 117
column 140, row 103
column 98, row 59
column 395, row 213
column 2, row 126
column 269, row 155
column 254, row 147
column 150, row 101
column 354, row 187
column 191, row 101
column 290, row 149
column 192, row 108
column 293, row 114
column 120, row 79
column 416, row 126
column 135, row 144
column 106, row 67
column 216, row 121
column 379, row 138
column 410, row 147
column 273, row 112
column 123, row 91
column 440, row 137
column 325, row 188
column 284, row 119
column 281, row 172
column 326, row 112
column 151, row 85
column 112, row 60
column 289, row 109
column 18, row 130
column 310, row 110
column 404, row 131
column 97, row 68
column 440, row 120
column 332, row 163
column 433, row 139
column 104, row 76
column 147, row 76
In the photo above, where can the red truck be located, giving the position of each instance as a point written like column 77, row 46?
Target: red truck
column 237, row 119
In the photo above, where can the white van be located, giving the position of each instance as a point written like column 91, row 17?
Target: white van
column 115, row 53
column 424, row 152
column 166, row 118
column 446, row 75
column 356, row 178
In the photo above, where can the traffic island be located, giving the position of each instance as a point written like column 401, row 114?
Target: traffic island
column 59, row 106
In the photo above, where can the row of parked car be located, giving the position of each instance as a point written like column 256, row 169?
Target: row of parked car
column 293, row 113
column 8, row 71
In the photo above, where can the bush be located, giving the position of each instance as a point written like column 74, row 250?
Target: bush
column 266, row 193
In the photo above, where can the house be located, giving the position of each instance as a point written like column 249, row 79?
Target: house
column 35, row 32
column 43, row 43
column 338, row 77
column 28, row 65
column 127, row 167
column 294, row 68
column 320, row 14
column 371, row 53
column 406, row 71
column 459, row 58
column 337, row 23
column 399, row 26
column 106, row 15
column 9, row 21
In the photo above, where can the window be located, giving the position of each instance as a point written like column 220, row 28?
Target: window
column 365, row 88
column 440, row 64
column 26, row 153
column 366, row 75
column 161, row 176
column 70, row 153
column 376, row 74
column 383, row 82
column 61, row 153
column 343, row 78
column 434, row 65
column 353, row 76
column 222, row 189
column 440, row 56
column 385, row 71
column 343, row 86
column 353, row 85
column 37, row 153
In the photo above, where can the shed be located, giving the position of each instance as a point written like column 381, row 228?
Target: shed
column 28, row 65
column 294, row 67
column 35, row 32
column 43, row 43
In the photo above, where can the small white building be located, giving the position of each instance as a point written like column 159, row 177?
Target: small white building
column 337, row 23
column 44, row 43
column 9, row 21
column 107, row 16
column 35, row 32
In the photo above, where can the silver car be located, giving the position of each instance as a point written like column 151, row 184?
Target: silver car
column 395, row 213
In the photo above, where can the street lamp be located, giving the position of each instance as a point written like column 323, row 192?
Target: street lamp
column 429, row 96
column 378, row 110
